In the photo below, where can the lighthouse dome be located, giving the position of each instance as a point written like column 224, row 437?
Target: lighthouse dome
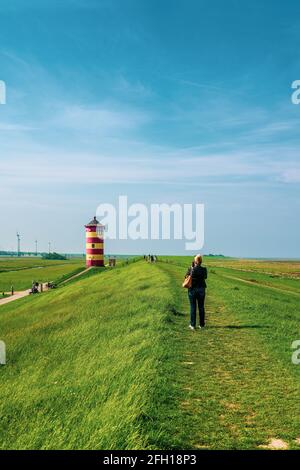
column 93, row 222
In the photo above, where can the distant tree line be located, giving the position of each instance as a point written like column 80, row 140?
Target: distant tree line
column 219, row 256
column 53, row 256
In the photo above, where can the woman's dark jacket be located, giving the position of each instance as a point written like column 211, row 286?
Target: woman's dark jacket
column 199, row 274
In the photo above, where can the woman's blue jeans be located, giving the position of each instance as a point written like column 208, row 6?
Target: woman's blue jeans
column 197, row 296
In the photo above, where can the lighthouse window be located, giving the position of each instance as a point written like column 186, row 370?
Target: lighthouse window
column 93, row 245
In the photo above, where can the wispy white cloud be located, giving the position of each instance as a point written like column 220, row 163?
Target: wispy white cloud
column 132, row 88
column 107, row 141
column 205, row 86
column 291, row 175
column 13, row 127
column 102, row 119
column 149, row 164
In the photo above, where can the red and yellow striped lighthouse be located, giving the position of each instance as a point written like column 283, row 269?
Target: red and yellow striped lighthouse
column 94, row 243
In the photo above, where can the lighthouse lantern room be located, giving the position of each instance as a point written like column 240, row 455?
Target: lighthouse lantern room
column 94, row 243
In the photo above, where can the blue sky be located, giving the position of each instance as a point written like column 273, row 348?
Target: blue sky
column 164, row 101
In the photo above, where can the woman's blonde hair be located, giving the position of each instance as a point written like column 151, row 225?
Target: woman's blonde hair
column 198, row 259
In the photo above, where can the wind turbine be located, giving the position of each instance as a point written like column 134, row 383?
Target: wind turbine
column 19, row 243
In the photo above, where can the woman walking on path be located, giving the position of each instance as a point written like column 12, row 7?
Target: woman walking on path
column 196, row 292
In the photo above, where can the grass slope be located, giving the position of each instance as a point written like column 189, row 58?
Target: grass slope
column 85, row 363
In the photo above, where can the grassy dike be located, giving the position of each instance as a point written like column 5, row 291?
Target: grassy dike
column 87, row 364
column 107, row 362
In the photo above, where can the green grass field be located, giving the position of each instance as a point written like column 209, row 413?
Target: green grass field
column 107, row 361
column 24, row 262
column 21, row 272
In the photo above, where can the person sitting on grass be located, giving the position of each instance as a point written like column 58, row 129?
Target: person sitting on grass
column 196, row 293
